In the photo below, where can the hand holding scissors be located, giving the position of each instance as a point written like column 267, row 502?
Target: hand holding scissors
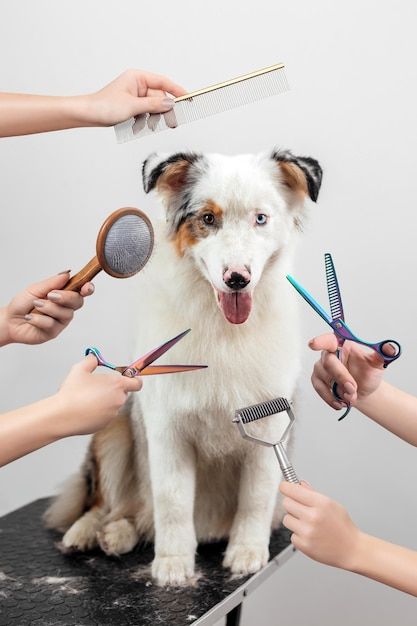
column 142, row 366
column 389, row 350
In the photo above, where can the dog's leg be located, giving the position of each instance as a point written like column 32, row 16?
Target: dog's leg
column 247, row 550
column 118, row 536
column 173, row 470
column 82, row 535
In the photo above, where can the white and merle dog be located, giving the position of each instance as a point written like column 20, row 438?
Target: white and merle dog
column 174, row 468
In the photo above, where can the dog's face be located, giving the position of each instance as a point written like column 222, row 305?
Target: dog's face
column 232, row 215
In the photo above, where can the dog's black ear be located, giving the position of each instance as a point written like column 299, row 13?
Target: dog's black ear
column 301, row 174
column 169, row 173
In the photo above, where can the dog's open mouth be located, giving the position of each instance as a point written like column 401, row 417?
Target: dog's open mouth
column 236, row 306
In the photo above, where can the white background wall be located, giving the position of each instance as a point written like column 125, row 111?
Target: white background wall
column 352, row 105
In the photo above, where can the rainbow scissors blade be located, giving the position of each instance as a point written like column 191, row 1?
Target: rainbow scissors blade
column 142, row 366
column 337, row 322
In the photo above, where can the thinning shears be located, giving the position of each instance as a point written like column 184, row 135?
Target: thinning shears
column 389, row 350
column 142, row 366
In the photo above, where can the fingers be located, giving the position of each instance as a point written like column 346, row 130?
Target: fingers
column 292, row 523
column 300, row 493
column 60, row 314
column 43, row 287
column 324, row 342
column 87, row 290
column 153, row 104
column 324, row 391
column 132, row 384
column 389, row 349
column 294, row 508
column 330, row 368
column 156, row 81
column 48, row 325
column 88, row 364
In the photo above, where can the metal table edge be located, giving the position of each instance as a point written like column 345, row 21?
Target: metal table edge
column 236, row 597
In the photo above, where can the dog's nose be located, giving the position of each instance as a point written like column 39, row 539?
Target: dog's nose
column 236, row 280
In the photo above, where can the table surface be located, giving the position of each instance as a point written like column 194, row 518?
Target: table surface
column 41, row 586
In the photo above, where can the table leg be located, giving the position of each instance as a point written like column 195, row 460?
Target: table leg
column 233, row 617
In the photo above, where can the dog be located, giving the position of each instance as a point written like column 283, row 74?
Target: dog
column 172, row 468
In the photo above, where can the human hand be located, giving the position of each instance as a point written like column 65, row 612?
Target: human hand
column 89, row 402
column 19, row 325
column 357, row 377
column 321, row 527
column 132, row 93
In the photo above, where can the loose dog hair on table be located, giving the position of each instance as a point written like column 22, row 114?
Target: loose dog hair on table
column 173, row 468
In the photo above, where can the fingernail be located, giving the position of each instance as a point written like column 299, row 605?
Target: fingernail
column 168, row 102
column 349, row 388
column 55, row 297
column 64, row 272
column 28, row 317
column 91, row 289
column 38, row 303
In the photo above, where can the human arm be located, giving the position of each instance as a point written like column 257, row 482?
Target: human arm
column 19, row 325
column 130, row 94
column 84, row 404
column 323, row 530
column 359, row 381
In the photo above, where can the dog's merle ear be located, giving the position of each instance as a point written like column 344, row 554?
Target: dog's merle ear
column 169, row 173
column 301, row 174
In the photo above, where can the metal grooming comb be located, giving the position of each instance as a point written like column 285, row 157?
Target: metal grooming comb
column 197, row 105
column 249, row 414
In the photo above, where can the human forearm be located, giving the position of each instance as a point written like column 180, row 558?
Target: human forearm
column 392, row 409
column 323, row 530
column 22, row 114
column 29, row 428
column 4, row 328
column 386, row 563
column 132, row 93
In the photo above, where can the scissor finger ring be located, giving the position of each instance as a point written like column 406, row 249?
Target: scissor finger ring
column 333, row 389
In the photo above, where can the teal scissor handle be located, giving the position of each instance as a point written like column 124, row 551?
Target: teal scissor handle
column 343, row 332
column 101, row 360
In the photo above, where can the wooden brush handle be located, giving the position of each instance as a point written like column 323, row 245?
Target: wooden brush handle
column 88, row 272
column 75, row 283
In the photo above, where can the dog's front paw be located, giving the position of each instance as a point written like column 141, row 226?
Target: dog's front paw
column 244, row 559
column 117, row 537
column 173, row 571
column 81, row 535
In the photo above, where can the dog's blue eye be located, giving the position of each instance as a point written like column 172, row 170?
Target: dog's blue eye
column 261, row 219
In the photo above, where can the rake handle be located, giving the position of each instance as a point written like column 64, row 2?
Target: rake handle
column 286, row 468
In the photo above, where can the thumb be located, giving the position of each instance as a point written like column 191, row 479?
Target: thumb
column 324, row 342
column 304, row 483
column 43, row 287
column 375, row 361
column 153, row 105
column 88, row 364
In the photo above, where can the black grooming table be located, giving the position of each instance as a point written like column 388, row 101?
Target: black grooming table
column 39, row 586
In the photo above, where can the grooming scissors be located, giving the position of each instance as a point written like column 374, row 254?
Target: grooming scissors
column 142, row 366
column 340, row 328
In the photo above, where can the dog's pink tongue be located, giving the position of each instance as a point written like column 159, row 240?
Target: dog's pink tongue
column 236, row 306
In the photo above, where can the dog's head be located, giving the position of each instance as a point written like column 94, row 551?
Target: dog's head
column 232, row 215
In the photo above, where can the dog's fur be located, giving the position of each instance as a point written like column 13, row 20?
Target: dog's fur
column 174, row 468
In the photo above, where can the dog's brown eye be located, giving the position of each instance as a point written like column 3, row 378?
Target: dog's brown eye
column 208, row 218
